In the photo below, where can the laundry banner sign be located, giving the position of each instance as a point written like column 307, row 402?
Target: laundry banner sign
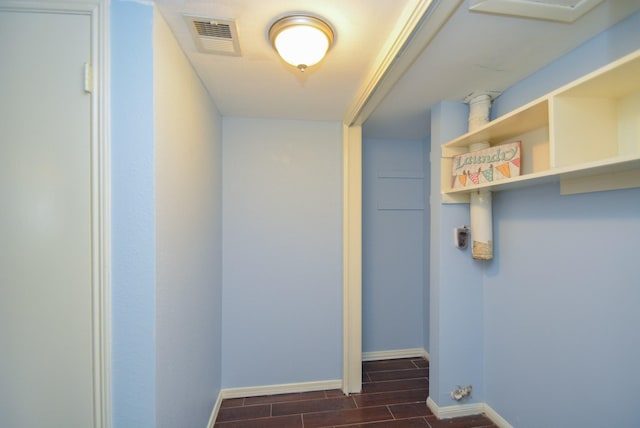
column 486, row 166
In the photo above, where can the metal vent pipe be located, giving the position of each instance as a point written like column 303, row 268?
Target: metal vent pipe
column 480, row 203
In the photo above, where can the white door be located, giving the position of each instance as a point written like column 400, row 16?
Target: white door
column 45, row 221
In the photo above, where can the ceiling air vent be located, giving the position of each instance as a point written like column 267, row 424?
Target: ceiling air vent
column 549, row 10
column 214, row 35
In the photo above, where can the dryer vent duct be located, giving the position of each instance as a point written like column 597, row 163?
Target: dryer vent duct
column 214, row 35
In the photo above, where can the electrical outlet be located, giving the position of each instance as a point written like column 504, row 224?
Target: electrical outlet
column 461, row 237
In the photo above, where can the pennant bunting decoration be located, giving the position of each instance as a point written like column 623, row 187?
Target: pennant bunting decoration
column 477, row 168
column 488, row 173
column 475, row 177
column 505, row 170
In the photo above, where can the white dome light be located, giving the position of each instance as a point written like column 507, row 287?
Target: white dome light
column 301, row 40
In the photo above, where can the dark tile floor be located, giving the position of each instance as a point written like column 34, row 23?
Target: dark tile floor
column 393, row 395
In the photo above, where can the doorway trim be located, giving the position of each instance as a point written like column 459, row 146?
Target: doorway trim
column 352, row 259
column 96, row 82
column 101, row 230
column 418, row 25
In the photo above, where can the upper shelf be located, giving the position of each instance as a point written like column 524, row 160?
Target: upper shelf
column 588, row 128
column 527, row 118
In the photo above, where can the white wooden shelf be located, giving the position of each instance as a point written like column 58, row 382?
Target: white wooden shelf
column 586, row 135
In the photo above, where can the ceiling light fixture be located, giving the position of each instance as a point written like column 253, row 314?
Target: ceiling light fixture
column 301, row 40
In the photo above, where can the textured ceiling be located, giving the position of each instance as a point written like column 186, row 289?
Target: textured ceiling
column 259, row 84
column 463, row 53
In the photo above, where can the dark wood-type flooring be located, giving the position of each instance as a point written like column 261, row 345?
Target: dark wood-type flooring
column 394, row 394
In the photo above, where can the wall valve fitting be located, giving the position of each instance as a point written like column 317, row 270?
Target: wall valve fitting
column 461, row 392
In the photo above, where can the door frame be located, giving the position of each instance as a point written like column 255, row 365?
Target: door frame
column 97, row 82
column 420, row 23
column 351, row 259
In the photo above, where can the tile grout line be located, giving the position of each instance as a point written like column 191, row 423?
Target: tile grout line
column 390, row 412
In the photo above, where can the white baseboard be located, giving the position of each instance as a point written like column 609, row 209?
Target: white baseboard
column 456, row 411
column 255, row 391
column 496, row 418
column 214, row 412
column 394, row 354
column 287, row 388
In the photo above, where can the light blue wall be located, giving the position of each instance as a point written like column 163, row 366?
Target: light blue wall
column 455, row 325
column 561, row 336
column 189, row 239
column 393, row 283
column 562, row 342
column 282, row 246
column 133, row 216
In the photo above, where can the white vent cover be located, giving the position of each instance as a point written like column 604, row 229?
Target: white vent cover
column 550, row 10
column 214, row 35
